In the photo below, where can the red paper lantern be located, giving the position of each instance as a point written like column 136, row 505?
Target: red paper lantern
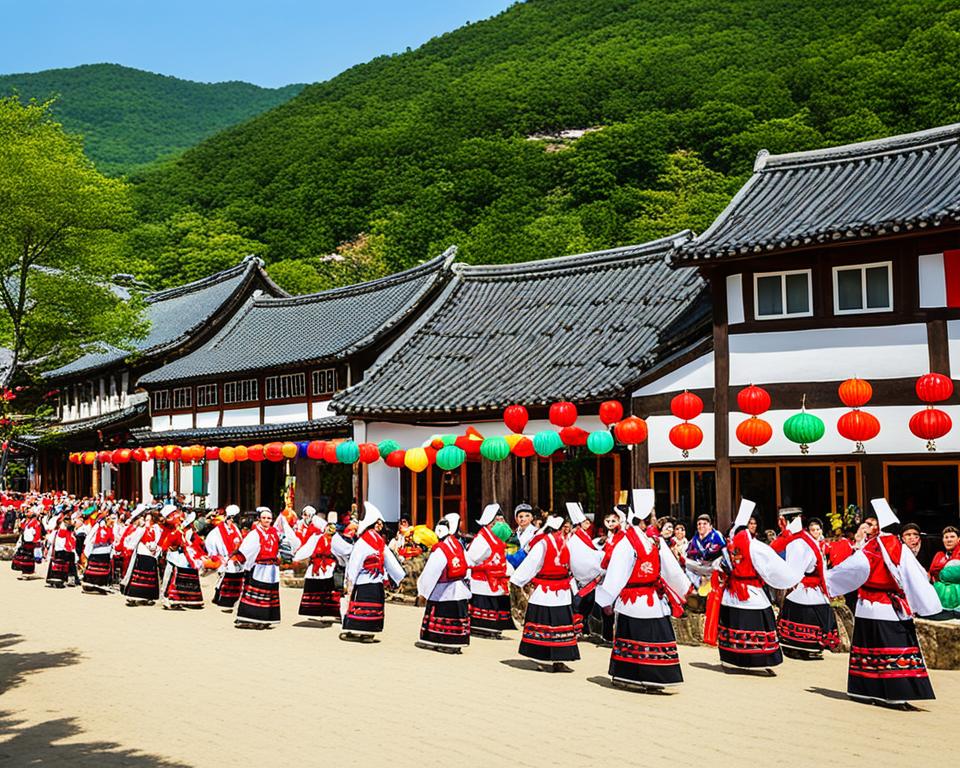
column 611, row 411
column 686, row 437
column 172, row 452
column 934, row 387
column 686, row 406
column 515, row 417
column 330, row 452
column 315, row 449
column 369, row 453
column 524, row 448
column 273, row 451
column 574, row 436
column 241, row 453
column 431, row 455
column 122, row 456
column 631, row 431
column 89, row 457
column 855, row 392
column 563, row 414
column 256, row 452
column 470, row 446
column 75, row 458
column 211, row 453
column 104, row 457
column 858, row 426
column 199, row 453
column 753, row 401
column 753, row 433
column 929, row 424
column 396, row 458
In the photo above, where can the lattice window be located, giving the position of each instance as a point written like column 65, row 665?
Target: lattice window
column 325, row 381
column 206, row 395
column 161, row 400
column 287, row 386
column 242, row 391
column 182, row 398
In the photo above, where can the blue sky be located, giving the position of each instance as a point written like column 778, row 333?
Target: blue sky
column 268, row 43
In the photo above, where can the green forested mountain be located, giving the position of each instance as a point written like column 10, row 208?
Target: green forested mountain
column 129, row 118
column 432, row 147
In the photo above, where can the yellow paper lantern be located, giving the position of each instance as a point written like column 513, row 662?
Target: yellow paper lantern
column 227, row 455
column 512, row 440
column 240, row 453
column 416, row 460
column 290, row 450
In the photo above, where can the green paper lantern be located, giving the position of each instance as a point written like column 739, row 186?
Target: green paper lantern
column 803, row 428
column 386, row 447
column 600, row 442
column 547, row 443
column 495, row 449
column 448, row 439
column 348, row 452
column 450, row 457
column 503, row 531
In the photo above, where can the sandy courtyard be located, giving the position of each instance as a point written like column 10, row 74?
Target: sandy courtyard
column 85, row 681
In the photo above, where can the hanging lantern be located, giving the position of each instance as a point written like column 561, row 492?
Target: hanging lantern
column 611, row 411
column 211, row 453
column 122, row 456
column 75, row 458
column 436, row 442
column 804, row 428
column 515, row 417
column 495, row 449
column 600, row 442
column 240, row 453
column 348, row 452
column 686, row 406
column 104, row 457
column 330, row 452
column 631, row 431
column 524, row 448
column 89, row 457
column 138, row 454
column 470, row 445
column 173, row 453
column 934, row 387
column 855, row 393
column 431, row 454
column 563, row 414
column 858, row 426
column 386, row 447
column 368, row 453
column 574, row 436
column 227, row 454
column 289, row 450
column 115, row 456
column 197, row 452
column 450, row 457
column 395, row 459
column 930, row 424
column 547, row 443
column 273, row 451
column 753, row 401
column 754, row 432
column 686, row 437
column 416, row 460
column 257, row 452
column 512, row 440
column 315, row 449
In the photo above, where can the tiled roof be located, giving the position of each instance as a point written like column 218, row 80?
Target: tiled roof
column 176, row 314
column 96, row 423
column 856, row 191
column 329, row 426
column 578, row 327
column 271, row 332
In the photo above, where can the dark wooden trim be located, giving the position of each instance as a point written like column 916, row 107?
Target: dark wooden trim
column 721, row 397
column 938, row 346
column 640, row 465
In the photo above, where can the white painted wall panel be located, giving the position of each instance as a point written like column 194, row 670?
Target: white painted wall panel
column 181, row 421
column 734, row 299
column 213, row 484
column 238, row 417
column 288, row 412
column 207, row 419
column 321, row 408
column 146, row 472
column 697, row 374
column 933, row 283
column 159, row 423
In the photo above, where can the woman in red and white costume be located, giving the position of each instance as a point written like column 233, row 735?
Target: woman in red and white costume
column 324, row 550
column 444, row 585
column 614, row 524
column 585, row 566
column 222, row 541
column 184, row 556
column 98, row 550
column 489, row 586
column 259, row 553
column 644, row 584
column 141, row 579
column 63, row 556
column 29, row 546
column 886, row 663
column 549, row 637
column 371, row 563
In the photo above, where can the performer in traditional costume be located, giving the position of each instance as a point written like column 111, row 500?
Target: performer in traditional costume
column 886, row 663
column 324, row 550
column 371, row 562
column 259, row 553
column 614, row 524
column 704, row 550
column 222, row 541
column 29, row 545
column 98, row 550
column 585, row 568
column 489, row 586
column 945, row 571
column 63, row 557
column 644, row 585
column 549, row 637
column 184, row 556
column 444, row 585
column 806, row 625
column 141, row 580
column 747, row 630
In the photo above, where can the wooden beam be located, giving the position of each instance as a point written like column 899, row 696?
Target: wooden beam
column 721, row 398
column 938, row 346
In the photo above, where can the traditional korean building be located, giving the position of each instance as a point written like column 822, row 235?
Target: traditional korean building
column 581, row 328
column 826, row 265
column 98, row 404
column 268, row 375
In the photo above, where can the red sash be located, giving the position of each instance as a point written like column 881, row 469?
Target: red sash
column 743, row 574
column 230, row 535
column 554, row 575
column 374, row 563
column 881, row 586
column 269, row 545
column 456, row 567
column 322, row 557
column 493, row 569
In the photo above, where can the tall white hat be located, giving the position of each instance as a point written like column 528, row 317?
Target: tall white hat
column 453, row 521
column 308, row 510
column 331, row 517
column 743, row 514
column 643, row 504
column 442, row 530
column 554, row 522
column 795, row 525
column 884, row 512
column 232, row 510
column 188, row 520
column 576, row 512
column 370, row 516
column 489, row 512
column 168, row 509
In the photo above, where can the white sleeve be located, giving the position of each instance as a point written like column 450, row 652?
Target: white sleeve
column 88, row 543
column 306, row 550
column 672, row 574
column 341, row 549
column 584, row 561
column 214, row 544
column 133, row 538
column 361, row 550
column 923, row 598
column 799, row 556
column 531, row 565
column 478, row 551
column 849, row 576
column 773, row 569
column 392, row 566
column 431, row 574
column 250, row 548
column 618, row 573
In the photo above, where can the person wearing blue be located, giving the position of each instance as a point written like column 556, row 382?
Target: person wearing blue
column 705, row 547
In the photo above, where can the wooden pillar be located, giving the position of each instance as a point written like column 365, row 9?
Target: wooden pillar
column 496, row 484
column 938, row 347
column 640, row 466
column 95, row 478
column 721, row 400
column 429, row 494
column 533, row 477
column 257, row 488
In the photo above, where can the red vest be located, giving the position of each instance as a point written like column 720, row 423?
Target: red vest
column 269, row 545
column 814, row 579
column 743, row 574
column 493, row 569
column 608, row 546
column 230, row 535
column 644, row 579
column 881, row 586
column 322, row 557
column 554, row 574
column 373, row 563
column 69, row 540
column 456, row 567
column 104, row 535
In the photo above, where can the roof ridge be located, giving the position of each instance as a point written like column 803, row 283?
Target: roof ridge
column 862, row 150
column 204, row 282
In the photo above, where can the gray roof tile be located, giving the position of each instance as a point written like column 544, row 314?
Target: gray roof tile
column 329, row 426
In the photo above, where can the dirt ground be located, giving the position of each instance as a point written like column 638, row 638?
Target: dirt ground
column 87, row 682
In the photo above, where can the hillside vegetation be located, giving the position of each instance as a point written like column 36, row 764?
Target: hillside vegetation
column 393, row 160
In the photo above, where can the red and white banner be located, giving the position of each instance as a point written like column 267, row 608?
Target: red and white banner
column 940, row 279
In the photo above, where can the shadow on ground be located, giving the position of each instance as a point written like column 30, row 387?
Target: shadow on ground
column 14, row 667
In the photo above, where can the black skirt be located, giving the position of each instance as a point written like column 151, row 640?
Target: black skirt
column 811, row 628
column 548, row 634
column 582, row 608
column 365, row 611
column 183, row 588
column 23, row 559
column 747, row 638
column 60, row 566
column 259, row 602
column 117, row 574
column 228, row 590
column 491, row 612
column 144, row 581
column 98, row 570
column 886, row 663
column 446, row 622
column 320, row 598
column 645, row 651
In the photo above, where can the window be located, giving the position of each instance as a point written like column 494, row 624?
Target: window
column 243, row 391
column 287, row 386
column 206, row 395
column 863, row 288
column 182, row 398
column 161, row 400
column 782, row 294
column 325, row 381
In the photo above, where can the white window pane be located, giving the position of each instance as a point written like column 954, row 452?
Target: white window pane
column 769, row 296
column 849, row 289
column 798, row 294
column 878, row 287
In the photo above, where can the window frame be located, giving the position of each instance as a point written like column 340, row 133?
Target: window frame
column 165, row 405
column 280, row 393
column 323, row 374
column 865, row 310
column 186, row 395
column 783, row 274
column 207, row 389
column 238, row 386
